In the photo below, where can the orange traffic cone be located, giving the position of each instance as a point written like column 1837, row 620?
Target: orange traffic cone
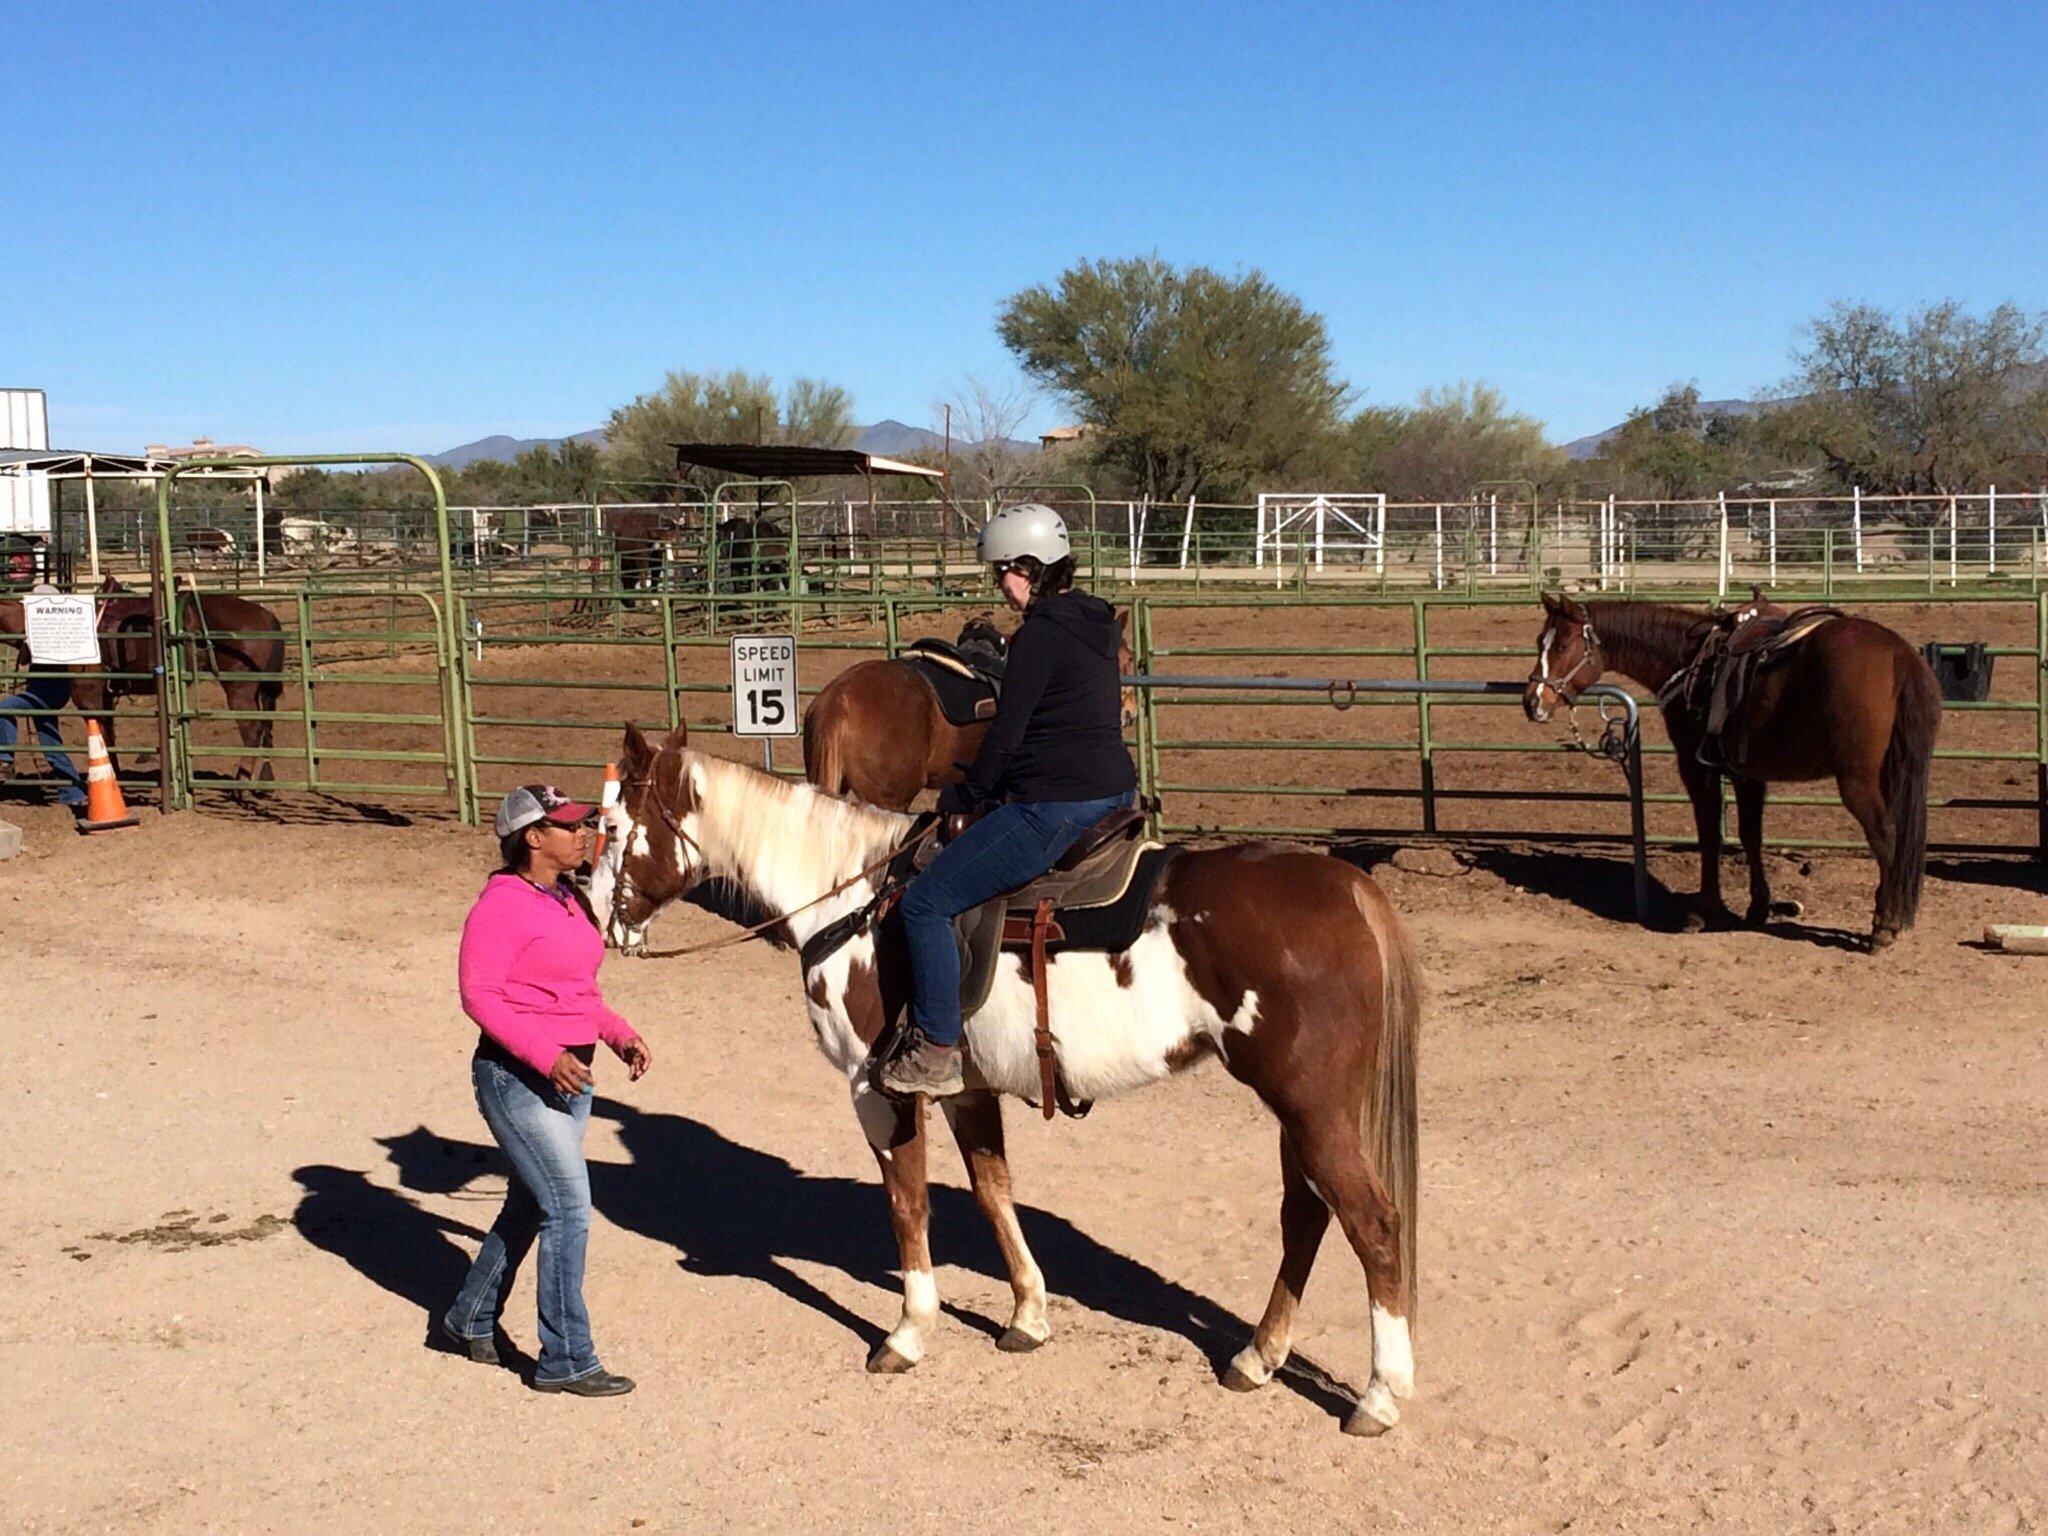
column 605, row 802
column 104, row 807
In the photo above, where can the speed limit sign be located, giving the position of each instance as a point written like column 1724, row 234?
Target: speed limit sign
column 764, row 686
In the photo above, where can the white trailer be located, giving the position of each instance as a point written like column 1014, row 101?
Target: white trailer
column 24, row 494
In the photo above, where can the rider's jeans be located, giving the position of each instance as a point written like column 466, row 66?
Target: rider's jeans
column 43, row 691
column 548, row 1195
column 1010, row 846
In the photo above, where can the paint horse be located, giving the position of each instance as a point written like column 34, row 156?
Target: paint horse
column 1290, row 966
column 879, row 733
column 1852, row 701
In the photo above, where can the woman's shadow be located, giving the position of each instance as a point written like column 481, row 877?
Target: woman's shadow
column 733, row 1210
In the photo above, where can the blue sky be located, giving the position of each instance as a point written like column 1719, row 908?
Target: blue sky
column 333, row 227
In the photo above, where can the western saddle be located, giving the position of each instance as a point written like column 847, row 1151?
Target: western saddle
column 1734, row 649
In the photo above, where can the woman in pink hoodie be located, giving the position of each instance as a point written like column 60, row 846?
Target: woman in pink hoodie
column 530, row 952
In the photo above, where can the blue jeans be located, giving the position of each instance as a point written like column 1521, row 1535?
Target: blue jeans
column 43, row 691
column 1010, row 846
column 548, row 1196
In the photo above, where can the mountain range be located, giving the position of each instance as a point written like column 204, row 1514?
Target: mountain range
column 1589, row 446
column 890, row 439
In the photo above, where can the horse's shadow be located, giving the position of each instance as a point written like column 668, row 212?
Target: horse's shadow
column 731, row 1209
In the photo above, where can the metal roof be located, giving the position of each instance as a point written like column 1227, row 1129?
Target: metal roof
column 789, row 461
column 72, row 461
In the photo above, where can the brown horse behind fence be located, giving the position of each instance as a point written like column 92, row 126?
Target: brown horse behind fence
column 876, row 731
column 241, row 643
column 1853, row 701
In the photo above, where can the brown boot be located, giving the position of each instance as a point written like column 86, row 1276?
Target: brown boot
column 920, row 1066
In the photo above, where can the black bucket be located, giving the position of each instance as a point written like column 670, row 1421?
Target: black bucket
column 1963, row 671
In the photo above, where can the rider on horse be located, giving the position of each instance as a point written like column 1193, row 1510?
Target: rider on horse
column 1052, row 765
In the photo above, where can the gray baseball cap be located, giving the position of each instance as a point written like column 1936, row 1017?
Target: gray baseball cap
column 531, row 804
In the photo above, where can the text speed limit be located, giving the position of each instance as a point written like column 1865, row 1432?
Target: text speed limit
column 764, row 686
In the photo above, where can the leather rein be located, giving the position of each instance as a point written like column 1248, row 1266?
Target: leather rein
column 668, row 819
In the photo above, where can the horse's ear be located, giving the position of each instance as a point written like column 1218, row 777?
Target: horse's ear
column 1123, row 620
column 636, row 753
column 1756, row 593
column 677, row 738
column 1550, row 604
column 1570, row 607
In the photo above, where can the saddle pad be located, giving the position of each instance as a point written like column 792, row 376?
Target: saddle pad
column 964, row 698
column 1107, row 929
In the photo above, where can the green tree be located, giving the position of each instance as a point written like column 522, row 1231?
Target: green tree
column 734, row 407
column 1452, row 441
column 1935, row 402
column 1190, row 382
column 1674, row 449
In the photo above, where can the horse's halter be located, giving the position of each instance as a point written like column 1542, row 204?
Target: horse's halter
column 653, row 793
column 1591, row 655
column 622, row 882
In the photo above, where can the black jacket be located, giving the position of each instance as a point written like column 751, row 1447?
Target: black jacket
column 1057, row 733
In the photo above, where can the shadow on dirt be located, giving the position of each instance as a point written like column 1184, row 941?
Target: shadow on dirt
column 1601, row 884
column 730, row 1209
column 2022, row 874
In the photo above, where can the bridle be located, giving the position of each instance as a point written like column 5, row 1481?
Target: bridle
column 1591, row 655
column 647, row 783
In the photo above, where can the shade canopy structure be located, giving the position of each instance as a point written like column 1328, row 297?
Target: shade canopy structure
column 791, row 461
column 75, row 461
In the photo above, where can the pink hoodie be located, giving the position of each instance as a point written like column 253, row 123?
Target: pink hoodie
column 528, row 972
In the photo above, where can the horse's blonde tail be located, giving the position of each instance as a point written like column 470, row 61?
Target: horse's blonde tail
column 1390, row 1136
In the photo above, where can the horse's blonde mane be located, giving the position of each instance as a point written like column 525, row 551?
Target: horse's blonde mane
column 787, row 841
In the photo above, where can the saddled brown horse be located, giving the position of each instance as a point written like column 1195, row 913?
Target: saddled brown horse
column 1289, row 965
column 240, row 642
column 1853, row 701
column 876, row 731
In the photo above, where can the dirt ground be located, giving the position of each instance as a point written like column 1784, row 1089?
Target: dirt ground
column 1737, row 1230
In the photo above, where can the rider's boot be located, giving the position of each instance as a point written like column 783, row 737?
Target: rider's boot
column 920, row 1065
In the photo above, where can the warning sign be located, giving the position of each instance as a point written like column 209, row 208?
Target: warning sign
column 60, row 631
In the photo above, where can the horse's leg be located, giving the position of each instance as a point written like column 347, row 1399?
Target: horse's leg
column 1703, row 788
column 896, row 1134
column 1749, row 821
column 1303, row 1220
column 977, row 1121
column 267, row 695
column 1864, row 796
column 1334, row 1163
column 241, row 697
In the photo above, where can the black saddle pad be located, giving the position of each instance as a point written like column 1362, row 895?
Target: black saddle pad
column 1115, row 927
column 962, row 700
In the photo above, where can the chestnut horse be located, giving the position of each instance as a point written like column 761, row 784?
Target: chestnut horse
column 876, row 731
column 1853, row 702
column 241, row 643
column 1290, row 966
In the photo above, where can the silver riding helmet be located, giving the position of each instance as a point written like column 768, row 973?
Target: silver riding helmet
column 1029, row 528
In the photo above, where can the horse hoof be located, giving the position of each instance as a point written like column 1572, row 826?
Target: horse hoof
column 1788, row 909
column 1881, row 937
column 885, row 1361
column 1375, row 1413
column 1248, row 1372
column 1015, row 1341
